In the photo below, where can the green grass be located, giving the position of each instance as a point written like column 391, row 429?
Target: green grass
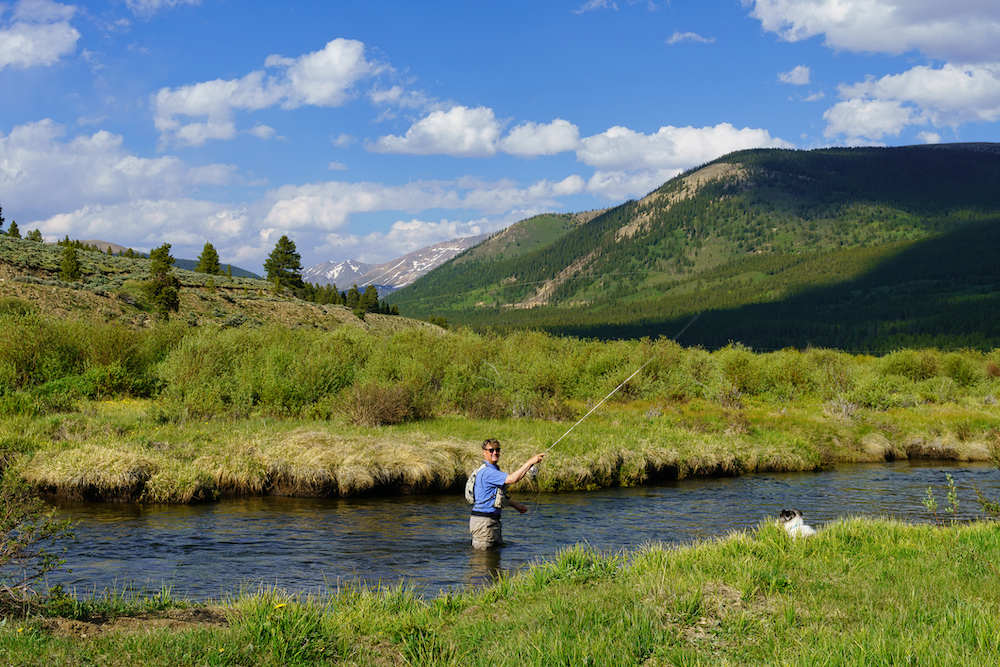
column 861, row 592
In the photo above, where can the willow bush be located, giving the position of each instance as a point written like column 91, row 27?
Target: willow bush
column 47, row 364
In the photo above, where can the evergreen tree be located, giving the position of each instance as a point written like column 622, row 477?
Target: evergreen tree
column 1, row 219
column 352, row 298
column 69, row 265
column 35, row 235
column 208, row 261
column 14, row 231
column 283, row 265
column 162, row 289
column 368, row 301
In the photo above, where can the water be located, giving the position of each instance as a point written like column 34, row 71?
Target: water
column 210, row 551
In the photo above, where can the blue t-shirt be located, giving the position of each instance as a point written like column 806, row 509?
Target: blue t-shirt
column 488, row 480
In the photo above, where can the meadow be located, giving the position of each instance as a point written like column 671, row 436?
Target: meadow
column 175, row 413
column 179, row 413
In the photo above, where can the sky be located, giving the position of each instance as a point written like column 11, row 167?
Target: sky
column 366, row 130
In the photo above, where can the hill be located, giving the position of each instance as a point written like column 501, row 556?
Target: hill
column 109, row 291
column 864, row 249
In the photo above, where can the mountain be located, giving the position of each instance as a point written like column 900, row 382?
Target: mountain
column 864, row 249
column 390, row 275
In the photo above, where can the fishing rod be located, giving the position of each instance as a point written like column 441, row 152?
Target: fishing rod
column 533, row 471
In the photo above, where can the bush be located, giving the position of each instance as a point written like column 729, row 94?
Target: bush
column 377, row 405
column 26, row 528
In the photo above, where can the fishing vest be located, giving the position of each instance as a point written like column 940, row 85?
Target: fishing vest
column 499, row 500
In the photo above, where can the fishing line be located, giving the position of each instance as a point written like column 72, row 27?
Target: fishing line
column 533, row 471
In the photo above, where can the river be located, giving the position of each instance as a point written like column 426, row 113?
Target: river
column 213, row 550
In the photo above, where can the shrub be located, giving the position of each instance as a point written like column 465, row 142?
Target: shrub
column 881, row 392
column 26, row 528
column 486, row 404
column 10, row 305
column 913, row 364
column 964, row 367
column 376, row 405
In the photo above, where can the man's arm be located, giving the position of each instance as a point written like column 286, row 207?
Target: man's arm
column 515, row 477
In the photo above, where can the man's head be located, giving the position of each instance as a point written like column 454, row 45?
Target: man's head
column 491, row 450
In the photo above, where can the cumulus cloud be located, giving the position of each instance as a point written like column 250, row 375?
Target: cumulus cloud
column 798, row 76
column 459, row 131
column 622, row 149
column 946, row 96
column 534, row 139
column 39, row 34
column 679, row 37
column 322, row 78
column 631, row 163
column 966, row 31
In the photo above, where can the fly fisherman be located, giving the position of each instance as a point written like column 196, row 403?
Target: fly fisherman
column 488, row 494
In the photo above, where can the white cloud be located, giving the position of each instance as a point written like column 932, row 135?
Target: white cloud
column 322, row 78
column 930, row 137
column 631, row 164
column 147, row 8
column 679, row 37
column 262, row 131
column 815, row 97
column 621, row 149
column 797, row 76
column 42, row 173
column 336, row 166
column 40, row 34
column 533, row 139
column 460, row 131
column 143, row 224
column 945, row 96
column 591, row 5
column 966, row 31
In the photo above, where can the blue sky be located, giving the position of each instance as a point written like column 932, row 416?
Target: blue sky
column 366, row 130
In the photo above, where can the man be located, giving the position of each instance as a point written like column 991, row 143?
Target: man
column 490, row 495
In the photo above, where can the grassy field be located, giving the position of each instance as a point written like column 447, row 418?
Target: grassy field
column 861, row 592
column 124, row 450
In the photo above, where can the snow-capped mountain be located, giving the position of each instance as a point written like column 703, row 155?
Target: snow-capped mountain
column 391, row 275
column 342, row 274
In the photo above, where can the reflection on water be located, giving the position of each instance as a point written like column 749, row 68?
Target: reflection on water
column 212, row 550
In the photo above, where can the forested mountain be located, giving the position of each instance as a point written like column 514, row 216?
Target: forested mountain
column 860, row 249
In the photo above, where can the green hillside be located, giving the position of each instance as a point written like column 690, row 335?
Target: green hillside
column 862, row 249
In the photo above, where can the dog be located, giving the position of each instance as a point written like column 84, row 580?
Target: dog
column 791, row 521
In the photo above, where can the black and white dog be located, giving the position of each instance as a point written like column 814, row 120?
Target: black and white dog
column 791, row 521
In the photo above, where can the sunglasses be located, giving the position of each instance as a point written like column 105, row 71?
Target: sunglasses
column 491, row 450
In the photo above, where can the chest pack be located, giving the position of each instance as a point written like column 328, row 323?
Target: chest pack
column 499, row 500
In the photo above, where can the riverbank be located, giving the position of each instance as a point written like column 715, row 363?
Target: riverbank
column 130, row 451
column 859, row 592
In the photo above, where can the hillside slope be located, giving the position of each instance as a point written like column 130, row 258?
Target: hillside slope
column 109, row 291
column 867, row 249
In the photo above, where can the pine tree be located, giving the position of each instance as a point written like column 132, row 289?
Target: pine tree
column 284, row 265
column 1, row 219
column 69, row 265
column 35, row 235
column 208, row 261
column 14, row 231
column 162, row 289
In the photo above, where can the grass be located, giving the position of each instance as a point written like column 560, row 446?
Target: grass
column 123, row 451
column 861, row 592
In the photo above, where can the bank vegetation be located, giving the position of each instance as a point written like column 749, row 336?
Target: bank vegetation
column 182, row 413
column 860, row 592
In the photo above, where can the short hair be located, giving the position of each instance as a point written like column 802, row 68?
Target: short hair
column 490, row 441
